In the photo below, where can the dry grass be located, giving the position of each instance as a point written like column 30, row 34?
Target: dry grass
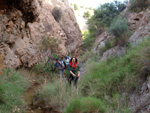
column 144, row 62
column 86, row 56
column 1, row 63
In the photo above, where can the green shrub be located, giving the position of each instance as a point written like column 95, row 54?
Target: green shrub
column 56, row 94
column 119, row 28
column 86, row 105
column 104, row 16
column 86, row 56
column 49, row 43
column 56, row 12
column 75, row 7
column 88, row 40
column 75, row 106
column 143, row 61
column 45, row 68
column 12, row 87
column 87, row 14
column 107, row 78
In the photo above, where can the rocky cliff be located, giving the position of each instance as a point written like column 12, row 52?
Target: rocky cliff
column 23, row 23
column 139, row 26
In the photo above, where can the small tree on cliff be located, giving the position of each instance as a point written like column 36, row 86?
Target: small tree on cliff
column 48, row 46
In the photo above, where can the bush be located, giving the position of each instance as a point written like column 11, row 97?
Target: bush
column 56, row 12
column 139, row 5
column 44, row 68
column 49, row 45
column 12, row 87
column 86, row 56
column 119, row 28
column 111, row 77
column 104, row 16
column 86, row 105
column 143, row 61
column 88, row 40
column 75, row 7
column 87, row 14
column 56, row 94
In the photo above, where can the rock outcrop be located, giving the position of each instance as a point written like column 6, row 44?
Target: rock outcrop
column 139, row 100
column 24, row 23
column 140, row 24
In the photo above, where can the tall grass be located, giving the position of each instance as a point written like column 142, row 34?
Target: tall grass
column 57, row 94
column 119, row 75
column 12, row 87
column 100, row 89
column 86, row 105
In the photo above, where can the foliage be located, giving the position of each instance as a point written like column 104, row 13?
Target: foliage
column 119, row 28
column 86, row 56
column 75, row 7
column 87, row 14
column 104, row 15
column 86, row 105
column 139, row 5
column 102, row 83
column 112, row 76
column 49, row 43
column 62, row 91
column 143, row 62
column 56, row 12
column 12, row 86
column 45, row 68
column 88, row 40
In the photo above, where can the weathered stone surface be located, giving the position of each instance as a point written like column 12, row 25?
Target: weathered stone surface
column 139, row 100
column 113, row 52
column 140, row 24
column 100, row 41
column 23, row 25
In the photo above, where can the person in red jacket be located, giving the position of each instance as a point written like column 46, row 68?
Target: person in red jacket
column 74, row 71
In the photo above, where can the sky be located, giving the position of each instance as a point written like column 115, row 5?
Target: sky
column 91, row 3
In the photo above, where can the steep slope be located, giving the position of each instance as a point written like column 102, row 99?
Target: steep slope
column 24, row 23
column 139, row 26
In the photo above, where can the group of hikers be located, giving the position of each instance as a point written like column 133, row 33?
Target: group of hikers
column 68, row 64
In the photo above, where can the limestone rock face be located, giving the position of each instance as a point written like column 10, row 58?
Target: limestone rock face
column 24, row 23
column 101, row 41
column 113, row 52
column 139, row 101
column 140, row 24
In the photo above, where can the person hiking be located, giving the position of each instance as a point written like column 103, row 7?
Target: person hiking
column 74, row 75
column 67, row 61
column 63, row 64
column 59, row 66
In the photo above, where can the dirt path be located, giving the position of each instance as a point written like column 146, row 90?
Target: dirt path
column 29, row 94
column 28, row 98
